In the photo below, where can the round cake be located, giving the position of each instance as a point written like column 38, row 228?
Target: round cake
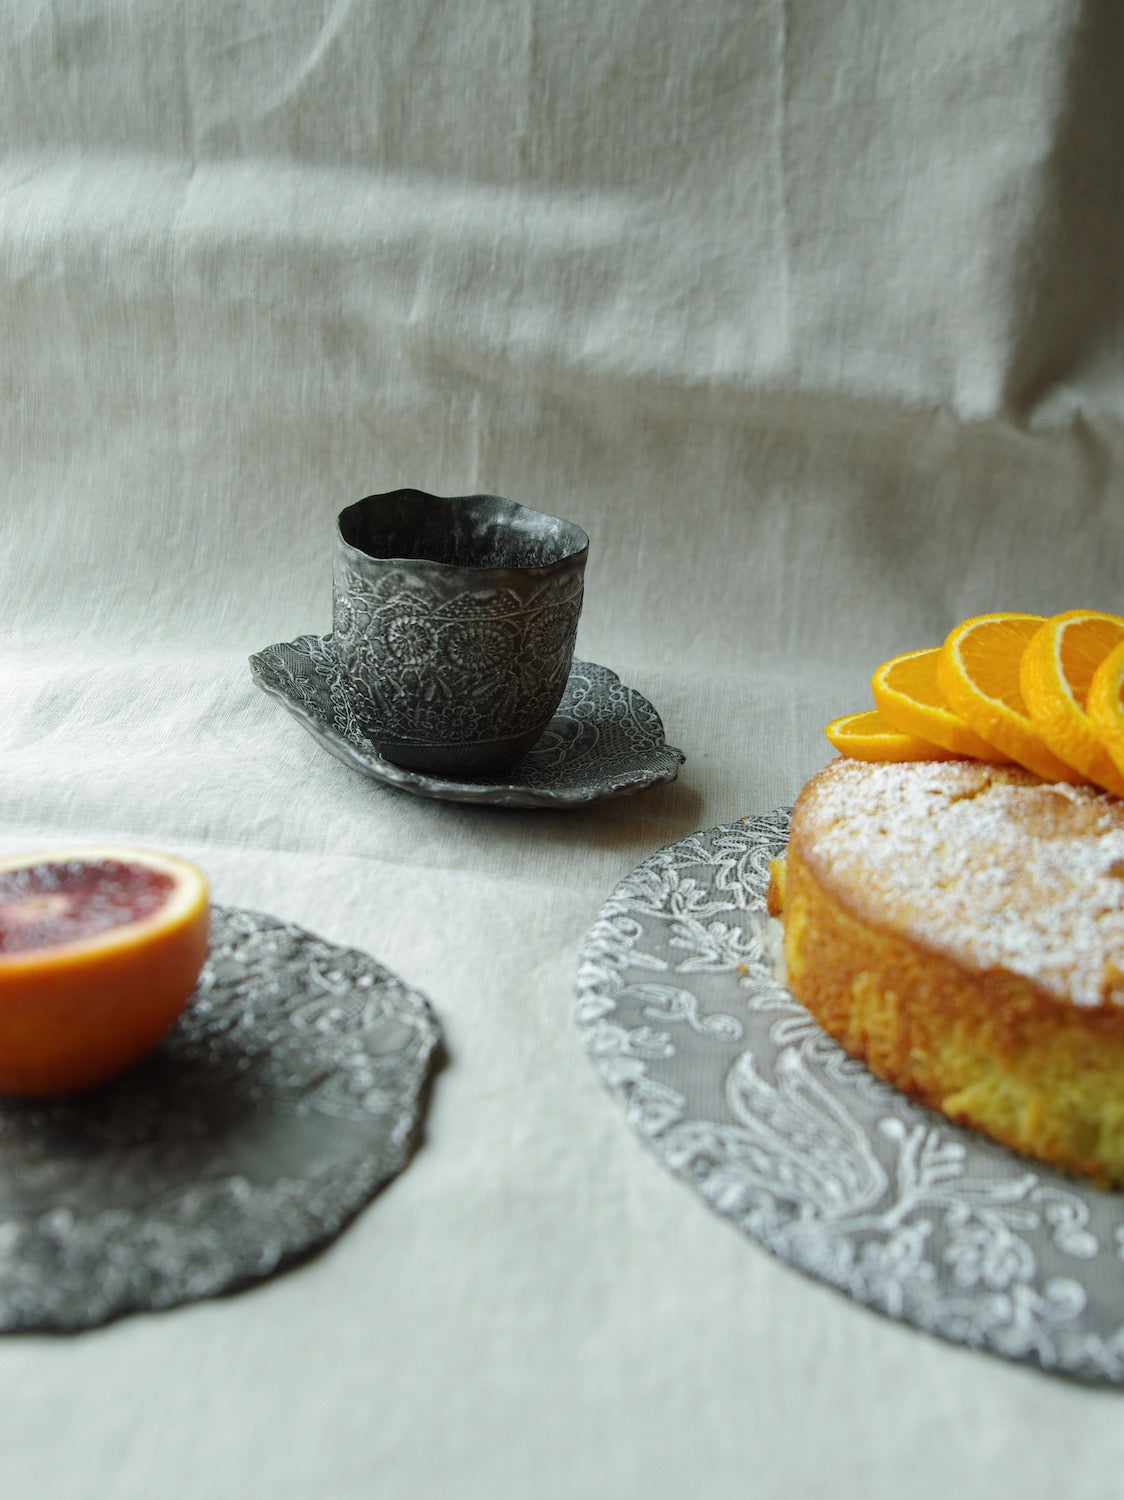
column 959, row 926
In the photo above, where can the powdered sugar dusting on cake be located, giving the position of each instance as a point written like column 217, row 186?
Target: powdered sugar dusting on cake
column 987, row 864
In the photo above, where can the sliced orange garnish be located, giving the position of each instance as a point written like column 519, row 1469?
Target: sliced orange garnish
column 1105, row 705
column 100, row 949
column 978, row 673
column 1055, row 676
column 867, row 736
column 908, row 698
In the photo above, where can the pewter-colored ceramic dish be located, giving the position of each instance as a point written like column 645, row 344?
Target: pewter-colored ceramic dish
column 606, row 740
column 739, row 1092
column 286, row 1095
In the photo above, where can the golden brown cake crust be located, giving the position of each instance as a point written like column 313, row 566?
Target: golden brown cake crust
column 960, row 927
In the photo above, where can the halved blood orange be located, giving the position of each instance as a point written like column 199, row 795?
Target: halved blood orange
column 100, row 950
column 867, row 736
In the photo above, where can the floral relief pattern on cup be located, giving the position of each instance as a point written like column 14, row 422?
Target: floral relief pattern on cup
column 456, row 653
column 436, row 660
column 410, row 640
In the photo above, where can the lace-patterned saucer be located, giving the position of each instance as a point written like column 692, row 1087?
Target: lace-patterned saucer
column 288, row 1093
column 606, row 740
column 738, row 1090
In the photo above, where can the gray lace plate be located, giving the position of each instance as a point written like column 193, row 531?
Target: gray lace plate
column 606, row 740
column 738, row 1090
column 288, row 1093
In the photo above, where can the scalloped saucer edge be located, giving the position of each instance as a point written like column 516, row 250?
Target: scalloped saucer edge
column 606, row 740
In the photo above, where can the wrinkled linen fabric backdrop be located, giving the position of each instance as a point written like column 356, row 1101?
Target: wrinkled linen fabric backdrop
column 811, row 315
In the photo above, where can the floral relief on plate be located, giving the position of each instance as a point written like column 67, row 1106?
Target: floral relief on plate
column 739, row 1091
column 606, row 739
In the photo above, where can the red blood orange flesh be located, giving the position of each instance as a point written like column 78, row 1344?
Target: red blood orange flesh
column 100, row 950
column 45, row 905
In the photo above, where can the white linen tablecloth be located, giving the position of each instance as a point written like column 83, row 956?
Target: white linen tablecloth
column 811, row 314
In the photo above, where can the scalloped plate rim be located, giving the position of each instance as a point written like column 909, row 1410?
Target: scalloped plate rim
column 666, row 760
column 1084, row 1352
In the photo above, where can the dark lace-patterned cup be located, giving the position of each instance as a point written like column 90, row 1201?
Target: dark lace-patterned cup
column 454, row 624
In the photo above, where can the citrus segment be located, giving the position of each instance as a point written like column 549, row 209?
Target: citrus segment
column 1055, row 676
column 1105, row 705
column 867, row 736
column 908, row 698
column 978, row 673
column 100, row 950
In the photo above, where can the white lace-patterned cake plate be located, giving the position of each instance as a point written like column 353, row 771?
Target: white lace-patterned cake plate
column 743, row 1095
column 283, row 1099
column 606, row 740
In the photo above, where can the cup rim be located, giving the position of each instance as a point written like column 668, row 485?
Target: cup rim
column 575, row 540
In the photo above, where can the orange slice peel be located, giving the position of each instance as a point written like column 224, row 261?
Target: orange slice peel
column 1105, row 705
column 867, row 736
column 907, row 696
column 978, row 671
column 1055, row 677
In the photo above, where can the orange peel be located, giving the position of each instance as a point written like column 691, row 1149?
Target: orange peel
column 907, row 696
column 1055, row 677
column 978, row 673
column 867, row 736
column 1105, row 705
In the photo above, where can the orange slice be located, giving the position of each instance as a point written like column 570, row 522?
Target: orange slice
column 100, row 950
column 908, row 698
column 1055, row 676
column 867, row 736
column 1105, row 705
column 978, row 673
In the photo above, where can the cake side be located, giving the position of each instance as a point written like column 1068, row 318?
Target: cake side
column 987, row 1050
column 958, row 928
